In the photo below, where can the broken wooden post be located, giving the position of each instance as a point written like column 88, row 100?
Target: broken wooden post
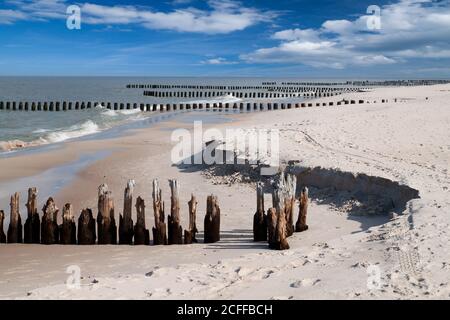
column 278, row 239
column 68, row 228
column 15, row 222
column 173, row 220
column 107, row 229
column 86, row 227
column 189, row 234
column 125, row 221
column 32, row 227
column 271, row 227
column 49, row 225
column 212, row 220
column 287, row 186
column 2, row 233
column 141, row 234
column 159, row 231
column 303, row 211
column 260, row 218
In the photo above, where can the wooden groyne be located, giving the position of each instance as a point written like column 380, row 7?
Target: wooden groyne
column 103, row 230
column 242, row 94
column 274, row 227
column 167, row 107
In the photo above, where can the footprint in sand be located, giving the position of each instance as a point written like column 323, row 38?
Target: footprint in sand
column 304, row 283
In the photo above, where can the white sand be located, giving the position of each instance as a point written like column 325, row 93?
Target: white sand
column 407, row 141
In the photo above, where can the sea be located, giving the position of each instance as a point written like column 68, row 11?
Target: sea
column 22, row 128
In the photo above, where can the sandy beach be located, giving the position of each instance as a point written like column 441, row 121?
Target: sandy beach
column 404, row 142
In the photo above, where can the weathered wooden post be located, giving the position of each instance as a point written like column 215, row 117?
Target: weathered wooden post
column 271, row 227
column 32, row 227
column 86, row 228
column 49, row 225
column 141, row 234
column 260, row 218
column 189, row 234
column 15, row 222
column 277, row 222
column 303, row 211
column 212, row 220
column 159, row 231
column 107, row 229
column 290, row 186
column 126, row 221
column 173, row 220
column 68, row 230
column 2, row 233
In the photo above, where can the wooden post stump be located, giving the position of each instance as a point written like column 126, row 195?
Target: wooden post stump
column 260, row 218
column 68, row 229
column 159, row 231
column 126, row 222
column 277, row 222
column 189, row 235
column 49, row 226
column 303, row 211
column 2, row 233
column 32, row 227
column 287, row 186
column 141, row 234
column 271, row 226
column 212, row 220
column 15, row 222
column 86, row 227
column 107, row 229
column 173, row 220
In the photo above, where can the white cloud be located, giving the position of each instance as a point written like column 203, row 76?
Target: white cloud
column 221, row 17
column 11, row 16
column 409, row 29
column 218, row 61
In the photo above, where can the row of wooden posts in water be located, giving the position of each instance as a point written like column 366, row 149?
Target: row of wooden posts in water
column 311, row 87
column 274, row 227
column 243, row 95
column 104, row 229
column 69, row 105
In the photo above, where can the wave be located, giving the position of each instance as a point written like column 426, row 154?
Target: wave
column 58, row 135
column 75, row 131
column 223, row 99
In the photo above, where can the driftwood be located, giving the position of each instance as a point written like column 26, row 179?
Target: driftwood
column 32, row 227
column 68, row 229
column 2, row 233
column 49, row 225
column 125, row 222
column 260, row 218
column 173, row 220
column 212, row 220
column 107, row 229
column 189, row 235
column 15, row 222
column 141, row 234
column 86, row 227
column 159, row 231
column 303, row 211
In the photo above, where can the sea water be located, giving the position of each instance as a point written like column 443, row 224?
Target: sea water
column 20, row 129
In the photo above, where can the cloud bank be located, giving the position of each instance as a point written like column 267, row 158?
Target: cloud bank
column 221, row 17
column 409, row 29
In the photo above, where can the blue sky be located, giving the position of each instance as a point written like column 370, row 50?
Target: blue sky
column 296, row 38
